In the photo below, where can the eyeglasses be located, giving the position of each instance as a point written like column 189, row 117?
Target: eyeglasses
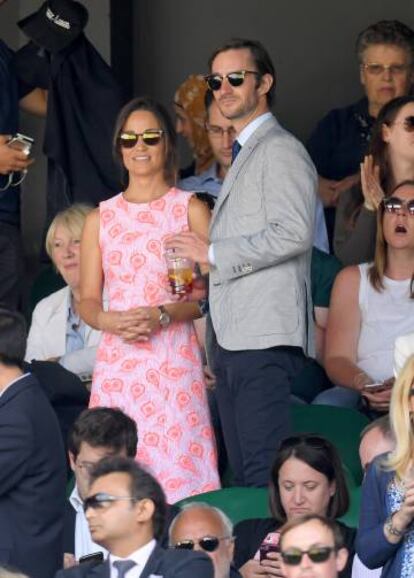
column 218, row 131
column 236, row 78
column 394, row 204
column 87, row 466
column 207, row 543
column 318, row 554
column 151, row 137
column 376, row 69
column 102, row 500
column 408, row 123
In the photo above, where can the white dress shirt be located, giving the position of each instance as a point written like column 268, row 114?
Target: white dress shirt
column 361, row 571
column 83, row 542
column 140, row 557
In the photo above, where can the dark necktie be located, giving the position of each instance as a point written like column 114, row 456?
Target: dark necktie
column 235, row 149
column 123, row 566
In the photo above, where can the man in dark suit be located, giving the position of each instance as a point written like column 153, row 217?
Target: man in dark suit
column 125, row 508
column 32, row 462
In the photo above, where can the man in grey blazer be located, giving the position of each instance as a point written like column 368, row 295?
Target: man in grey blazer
column 259, row 256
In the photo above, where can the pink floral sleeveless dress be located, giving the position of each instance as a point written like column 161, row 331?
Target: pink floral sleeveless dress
column 158, row 383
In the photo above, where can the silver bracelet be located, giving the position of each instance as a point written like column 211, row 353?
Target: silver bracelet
column 391, row 529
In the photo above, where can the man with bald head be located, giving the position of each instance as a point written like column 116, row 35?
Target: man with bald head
column 205, row 528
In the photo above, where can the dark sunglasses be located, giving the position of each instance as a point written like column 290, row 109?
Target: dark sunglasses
column 208, row 543
column 236, row 78
column 151, row 137
column 103, row 500
column 408, row 123
column 317, row 554
column 394, row 204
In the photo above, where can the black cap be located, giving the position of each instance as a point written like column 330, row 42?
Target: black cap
column 56, row 24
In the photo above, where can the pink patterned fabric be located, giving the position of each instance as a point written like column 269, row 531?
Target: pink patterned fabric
column 159, row 383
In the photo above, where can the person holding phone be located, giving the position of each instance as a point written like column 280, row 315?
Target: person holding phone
column 385, row 536
column 306, row 478
column 373, row 303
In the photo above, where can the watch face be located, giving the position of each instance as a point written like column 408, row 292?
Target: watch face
column 165, row 318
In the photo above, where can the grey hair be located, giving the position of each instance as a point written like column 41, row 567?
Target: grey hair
column 225, row 520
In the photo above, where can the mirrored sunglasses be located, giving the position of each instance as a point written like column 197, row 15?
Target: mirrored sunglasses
column 103, row 500
column 236, row 78
column 151, row 137
column 317, row 554
column 207, row 543
column 394, row 204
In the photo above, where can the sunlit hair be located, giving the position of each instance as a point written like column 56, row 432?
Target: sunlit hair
column 401, row 425
column 169, row 139
column 72, row 219
column 376, row 272
column 331, row 525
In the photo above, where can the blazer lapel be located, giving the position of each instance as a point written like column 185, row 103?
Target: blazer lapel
column 153, row 563
column 99, row 570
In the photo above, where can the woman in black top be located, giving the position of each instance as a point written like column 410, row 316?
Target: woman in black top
column 307, row 477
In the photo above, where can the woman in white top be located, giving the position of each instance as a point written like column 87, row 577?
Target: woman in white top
column 371, row 305
column 57, row 333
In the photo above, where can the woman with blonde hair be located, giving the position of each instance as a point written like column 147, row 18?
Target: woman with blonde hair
column 386, row 533
column 57, row 333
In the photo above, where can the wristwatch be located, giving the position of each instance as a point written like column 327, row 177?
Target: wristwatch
column 392, row 529
column 165, row 317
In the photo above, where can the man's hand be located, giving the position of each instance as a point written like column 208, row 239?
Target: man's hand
column 330, row 190
column 11, row 159
column 189, row 245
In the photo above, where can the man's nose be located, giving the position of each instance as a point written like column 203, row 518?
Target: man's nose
column 228, row 138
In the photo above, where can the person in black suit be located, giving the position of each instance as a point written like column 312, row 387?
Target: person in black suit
column 32, row 462
column 125, row 508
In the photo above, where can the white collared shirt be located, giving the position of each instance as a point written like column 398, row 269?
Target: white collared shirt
column 12, row 382
column 83, row 542
column 140, row 557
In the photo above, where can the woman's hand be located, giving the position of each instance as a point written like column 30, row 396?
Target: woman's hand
column 380, row 398
column 370, row 182
column 256, row 569
column 124, row 323
column 142, row 330
column 404, row 516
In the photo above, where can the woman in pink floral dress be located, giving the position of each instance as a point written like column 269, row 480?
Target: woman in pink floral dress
column 148, row 362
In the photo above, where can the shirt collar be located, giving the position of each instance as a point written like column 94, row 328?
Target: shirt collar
column 76, row 500
column 140, row 556
column 248, row 130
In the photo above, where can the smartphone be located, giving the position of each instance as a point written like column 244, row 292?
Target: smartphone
column 96, row 558
column 269, row 544
column 21, row 142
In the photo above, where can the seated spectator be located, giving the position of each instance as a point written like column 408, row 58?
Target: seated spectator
column 385, row 535
column 339, row 142
column 32, row 462
column 376, row 439
column 97, row 433
column 204, row 528
column 57, row 333
column 307, row 478
column 312, row 546
column 391, row 161
column 372, row 304
column 191, row 117
column 404, row 348
column 125, row 508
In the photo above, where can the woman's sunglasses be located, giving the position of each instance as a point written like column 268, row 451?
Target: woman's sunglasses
column 318, row 554
column 408, row 123
column 394, row 204
column 236, row 78
column 208, row 543
column 150, row 137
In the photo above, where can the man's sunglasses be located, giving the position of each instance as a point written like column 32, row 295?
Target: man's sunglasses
column 103, row 500
column 236, row 78
column 394, row 204
column 208, row 543
column 151, row 136
column 293, row 557
column 408, row 123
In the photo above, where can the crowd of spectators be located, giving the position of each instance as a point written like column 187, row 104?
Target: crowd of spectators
column 125, row 398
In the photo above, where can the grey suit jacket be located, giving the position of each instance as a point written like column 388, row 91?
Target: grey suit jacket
column 262, row 232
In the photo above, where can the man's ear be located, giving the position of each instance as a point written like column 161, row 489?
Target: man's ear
column 145, row 510
column 341, row 559
column 72, row 461
column 266, row 83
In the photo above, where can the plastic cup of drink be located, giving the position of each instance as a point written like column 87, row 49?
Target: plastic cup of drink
column 180, row 273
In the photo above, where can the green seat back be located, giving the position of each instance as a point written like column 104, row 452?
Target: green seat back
column 238, row 503
column 351, row 518
column 341, row 426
